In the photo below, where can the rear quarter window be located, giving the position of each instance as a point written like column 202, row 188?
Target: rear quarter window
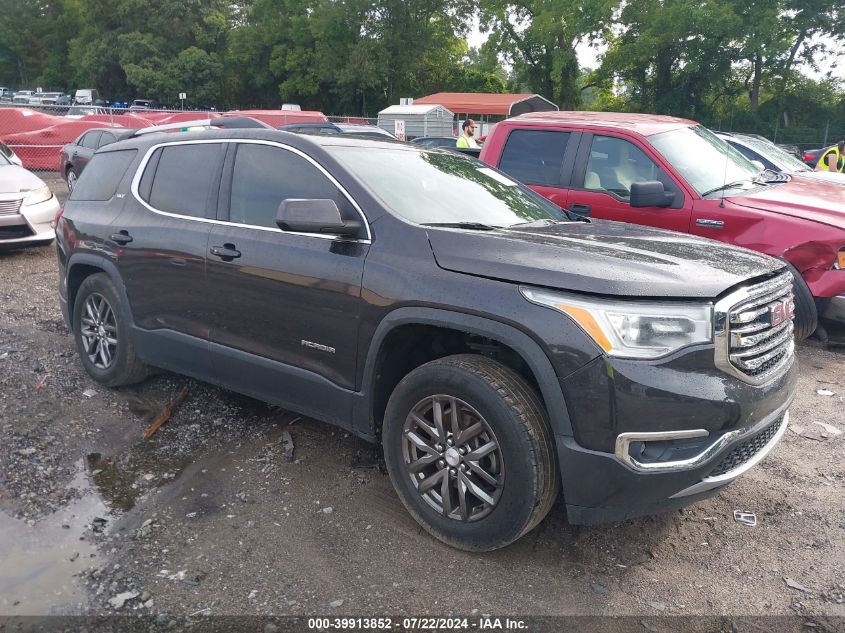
column 102, row 176
column 535, row 156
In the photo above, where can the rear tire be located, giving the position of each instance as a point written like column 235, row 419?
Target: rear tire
column 71, row 178
column 806, row 314
column 101, row 331
column 496, row 472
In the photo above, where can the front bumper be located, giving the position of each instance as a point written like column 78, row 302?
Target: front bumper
column 30, row 225
column 611, row 490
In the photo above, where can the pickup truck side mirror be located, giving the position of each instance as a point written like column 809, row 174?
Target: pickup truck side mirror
column 650, row 194
column 298, row 215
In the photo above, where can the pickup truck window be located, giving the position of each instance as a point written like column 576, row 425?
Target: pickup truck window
column 266, row 175
column 534, row 156
column 705, row 161
column 443, row 187
column 614, row 164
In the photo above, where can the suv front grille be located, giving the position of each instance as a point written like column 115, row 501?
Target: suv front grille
column 10, row 207
column 746, row 450
column 754, row 329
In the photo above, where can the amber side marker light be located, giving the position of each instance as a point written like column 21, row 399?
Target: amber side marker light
column 840, row 260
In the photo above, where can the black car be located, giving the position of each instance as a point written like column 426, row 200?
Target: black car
column 75, row 156
column 500, row 349
column 446, row 142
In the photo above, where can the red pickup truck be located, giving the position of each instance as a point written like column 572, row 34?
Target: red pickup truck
column 675, row 174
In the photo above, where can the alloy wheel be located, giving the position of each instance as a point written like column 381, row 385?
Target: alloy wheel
column 71, row 180
column 453, row 458
column 99, row 331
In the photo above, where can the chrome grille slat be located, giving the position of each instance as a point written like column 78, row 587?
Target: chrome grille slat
column 771, row 343
column 10, row 207
column 739, row 340
column 748, row 345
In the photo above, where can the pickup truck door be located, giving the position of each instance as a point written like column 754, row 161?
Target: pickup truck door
column 541, row 159
column 291, row 335
column 605, row 167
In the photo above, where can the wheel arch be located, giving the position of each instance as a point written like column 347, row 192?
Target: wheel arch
column 81, row 266
column 380, row 376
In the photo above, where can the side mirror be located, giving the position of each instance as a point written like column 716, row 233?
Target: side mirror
column 314, row 216
column 650, row 194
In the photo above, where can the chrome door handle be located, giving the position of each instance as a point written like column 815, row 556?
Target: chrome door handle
column 710, row 224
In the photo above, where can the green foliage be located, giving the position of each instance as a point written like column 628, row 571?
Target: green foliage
column 727, row 63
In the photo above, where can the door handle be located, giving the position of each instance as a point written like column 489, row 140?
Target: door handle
column 227, row 252
column 580, row 209
column 121, row 237
column 710, row 224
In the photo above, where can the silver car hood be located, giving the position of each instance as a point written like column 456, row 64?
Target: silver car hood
column 14, row 179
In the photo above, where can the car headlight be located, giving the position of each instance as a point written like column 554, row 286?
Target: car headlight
column 632, row 329
column 42, row 194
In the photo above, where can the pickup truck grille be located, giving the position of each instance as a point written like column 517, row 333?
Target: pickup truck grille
column 757, row 329
column 10, row 207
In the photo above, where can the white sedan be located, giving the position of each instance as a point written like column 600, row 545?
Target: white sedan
column 27, row 207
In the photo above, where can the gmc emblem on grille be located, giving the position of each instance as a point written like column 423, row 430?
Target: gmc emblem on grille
column 781, row 311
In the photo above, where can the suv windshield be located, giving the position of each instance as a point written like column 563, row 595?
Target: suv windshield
column 441, row 187
column 706, row 162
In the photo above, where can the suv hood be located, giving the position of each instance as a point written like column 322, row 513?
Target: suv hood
column 604, row 258
column 802, row 197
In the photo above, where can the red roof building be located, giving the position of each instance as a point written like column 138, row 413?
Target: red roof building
column 490, row 104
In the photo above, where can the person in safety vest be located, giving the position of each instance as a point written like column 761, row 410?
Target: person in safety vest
column 466, row 139
column 833, row 159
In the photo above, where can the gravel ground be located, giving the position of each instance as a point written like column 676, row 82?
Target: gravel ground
column 208, row 516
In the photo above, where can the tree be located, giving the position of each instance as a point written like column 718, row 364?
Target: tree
column 538, row 37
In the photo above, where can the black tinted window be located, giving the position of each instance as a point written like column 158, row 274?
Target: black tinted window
column 534, row 156
column 266, row 175
column 106, row 138
column 90, row 140
column 183, row 177
column 102, row 176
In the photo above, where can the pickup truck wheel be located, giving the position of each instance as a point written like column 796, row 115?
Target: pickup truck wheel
column 806, row 314
column 470, row 452
column 100, row 327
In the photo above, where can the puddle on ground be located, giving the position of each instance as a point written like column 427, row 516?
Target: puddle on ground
column 42, row 564
column 41, row 561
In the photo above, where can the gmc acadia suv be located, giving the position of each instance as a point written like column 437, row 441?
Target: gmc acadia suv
column 499, row 348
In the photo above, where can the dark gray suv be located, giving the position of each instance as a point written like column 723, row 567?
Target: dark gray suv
column 499, row 349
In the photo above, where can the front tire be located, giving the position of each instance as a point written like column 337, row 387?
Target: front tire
column 469, row 449
column 806, row 313
column 101, row 331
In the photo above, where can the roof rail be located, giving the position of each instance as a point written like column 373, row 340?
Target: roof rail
column 227, row 123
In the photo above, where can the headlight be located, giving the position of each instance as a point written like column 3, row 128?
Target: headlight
column 629, row 329
column 42, row 194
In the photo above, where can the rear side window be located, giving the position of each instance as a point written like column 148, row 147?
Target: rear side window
column 535, row 156
column 265, row 175
column 178, row 178
column 106, row 139
column 102, row 176
column 90, row 140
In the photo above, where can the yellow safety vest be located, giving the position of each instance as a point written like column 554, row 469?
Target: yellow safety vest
column 840, row 160
column 463, row 141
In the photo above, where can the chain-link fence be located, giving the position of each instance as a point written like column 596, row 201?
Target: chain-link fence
column 34, row 135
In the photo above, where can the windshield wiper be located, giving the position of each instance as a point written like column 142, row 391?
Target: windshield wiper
column 470, row 226
column 724, row 187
